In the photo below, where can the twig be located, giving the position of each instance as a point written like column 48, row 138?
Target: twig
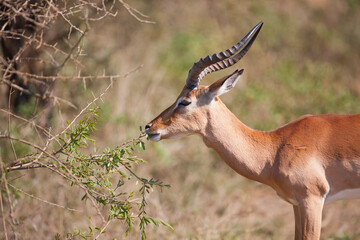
column 96, row 206
column 72, row 49
column 142, row 135
column 3, row 217
column 92, row 102
column 37, row 95
column 34, row 77
column 25, row 120
column 5, row 182
column 26, row 143
column 66, row 20
column 9, row 122
column 23, row 15
column 42, row 200
column 82, row 111
column 134, row 12
column 103, row 228
column 25, row 167
column 32, row 38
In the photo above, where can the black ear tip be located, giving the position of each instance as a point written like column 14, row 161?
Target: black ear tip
column 238, row 72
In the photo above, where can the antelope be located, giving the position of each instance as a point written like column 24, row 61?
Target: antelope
column 308, row 162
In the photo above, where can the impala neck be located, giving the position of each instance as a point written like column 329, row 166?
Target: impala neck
column 247, row 151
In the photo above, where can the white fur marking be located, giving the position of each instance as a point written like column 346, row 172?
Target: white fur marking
column 227, row 85
column 177, row 103
column 345, row 194
column 293, row 201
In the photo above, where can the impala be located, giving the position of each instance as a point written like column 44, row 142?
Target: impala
column 309, row 162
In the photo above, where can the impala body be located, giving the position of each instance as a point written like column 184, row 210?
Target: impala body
column 308, row 162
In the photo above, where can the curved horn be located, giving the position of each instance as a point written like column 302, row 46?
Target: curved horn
column 221, row 60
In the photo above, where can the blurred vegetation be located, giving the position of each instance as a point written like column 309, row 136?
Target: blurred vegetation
column 305, row 61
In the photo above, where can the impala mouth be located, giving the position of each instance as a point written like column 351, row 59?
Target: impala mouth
column 154, row 137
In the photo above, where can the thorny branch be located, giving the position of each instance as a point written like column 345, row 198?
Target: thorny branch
column 34, row 58
column 20, row 165
column 136, row 13
column 58, row 162
column 36, row 19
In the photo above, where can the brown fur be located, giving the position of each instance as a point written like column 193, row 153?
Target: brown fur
column 305, row 161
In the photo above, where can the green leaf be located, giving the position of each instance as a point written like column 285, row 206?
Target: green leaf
column 166, row 225
column 57, row 236
column 154, row 221
column 142, row 145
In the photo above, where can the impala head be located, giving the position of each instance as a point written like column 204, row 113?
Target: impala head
column 188, row 114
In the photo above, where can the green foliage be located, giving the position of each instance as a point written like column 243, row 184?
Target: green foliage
column 102, row 176
column 107, row 178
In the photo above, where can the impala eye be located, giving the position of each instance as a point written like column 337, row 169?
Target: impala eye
column 184, row 103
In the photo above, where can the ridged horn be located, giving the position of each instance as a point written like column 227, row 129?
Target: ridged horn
column 221, row 60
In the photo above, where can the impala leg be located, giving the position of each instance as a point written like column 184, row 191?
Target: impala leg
column 310, row 210
column 297, row 223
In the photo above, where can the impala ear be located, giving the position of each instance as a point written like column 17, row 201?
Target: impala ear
column 225, row 84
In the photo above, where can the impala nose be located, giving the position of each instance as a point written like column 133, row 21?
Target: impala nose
column 147, row 127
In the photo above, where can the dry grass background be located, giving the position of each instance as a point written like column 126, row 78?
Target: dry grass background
column 306, row 60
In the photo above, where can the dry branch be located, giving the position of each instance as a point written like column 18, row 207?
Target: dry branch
column 136, row 13
column 35, row 58
column 42, row 200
